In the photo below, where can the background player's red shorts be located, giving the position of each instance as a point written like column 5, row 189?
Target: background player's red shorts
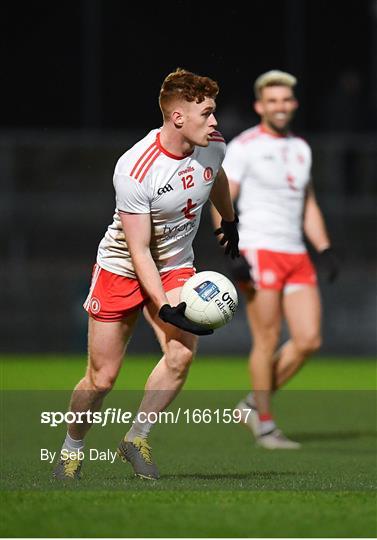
column 112, row 297
column 275, row 270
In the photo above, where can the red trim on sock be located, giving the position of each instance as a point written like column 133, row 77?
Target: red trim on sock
column 265, row 417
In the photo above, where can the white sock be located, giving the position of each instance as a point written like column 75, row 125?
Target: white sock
column 249, row 399
column 266, row 426
column 72, row 445
column 139, row 429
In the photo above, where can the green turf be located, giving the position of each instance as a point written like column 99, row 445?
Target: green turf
column 214, row 481
column 57, row 372
column 189, row 514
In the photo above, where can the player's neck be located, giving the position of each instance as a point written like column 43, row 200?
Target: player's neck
column 174, row 143
column 270, row 130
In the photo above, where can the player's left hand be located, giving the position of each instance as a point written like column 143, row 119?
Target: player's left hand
column 230, row 237
column 331, row 263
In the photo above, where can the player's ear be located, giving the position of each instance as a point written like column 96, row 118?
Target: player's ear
column 258, row 107
column 177, row 117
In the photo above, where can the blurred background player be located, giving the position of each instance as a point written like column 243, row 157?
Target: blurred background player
column 145, row 257
column 269, row 172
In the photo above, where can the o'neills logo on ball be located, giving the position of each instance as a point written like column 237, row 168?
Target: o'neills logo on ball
column 208, row 174
column 95, row 305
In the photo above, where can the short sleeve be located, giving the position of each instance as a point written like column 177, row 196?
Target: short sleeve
column 310, row 160
column 218, row 147
column 307, row 152
column 234, row 162
column 222, row 152
column 131, row 195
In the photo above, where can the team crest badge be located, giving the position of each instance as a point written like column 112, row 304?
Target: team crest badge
column 95, row 305
column 208, row 174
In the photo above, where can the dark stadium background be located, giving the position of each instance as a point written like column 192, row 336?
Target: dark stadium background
column 80, row 81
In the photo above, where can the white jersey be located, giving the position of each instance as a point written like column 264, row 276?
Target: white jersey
column 172, row 189
column 273, row 173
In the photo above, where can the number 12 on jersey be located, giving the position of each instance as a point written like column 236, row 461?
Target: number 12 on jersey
column 187, row 181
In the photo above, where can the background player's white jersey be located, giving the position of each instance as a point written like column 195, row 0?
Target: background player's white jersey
column 273, row 173
column 150, row 180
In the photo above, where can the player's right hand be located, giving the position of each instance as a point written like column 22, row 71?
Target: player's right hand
column 230, row 237
column 176, row 316
column 330, row 262
column 240, row 269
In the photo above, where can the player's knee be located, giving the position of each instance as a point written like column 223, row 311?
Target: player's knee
column 102, row 381
column 267, row 343
column 309, row 344
column 179, row 358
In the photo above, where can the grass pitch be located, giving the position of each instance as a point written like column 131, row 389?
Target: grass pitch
column 215, row 482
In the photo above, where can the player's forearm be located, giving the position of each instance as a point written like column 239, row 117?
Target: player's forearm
column 315, row 227
column 223, row 204
column 137, row 231
column 149, row 277
column 216, row 218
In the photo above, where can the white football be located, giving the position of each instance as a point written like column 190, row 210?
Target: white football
column 211, row 299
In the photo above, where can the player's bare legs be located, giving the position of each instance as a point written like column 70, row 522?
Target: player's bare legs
column 106, row 347
column 302, row 310
column 264, row 312
column 169, row 375
column 163, row 384
column 264, row 315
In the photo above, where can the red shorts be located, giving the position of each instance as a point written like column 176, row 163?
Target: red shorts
column 112, row 297
column 277, row 270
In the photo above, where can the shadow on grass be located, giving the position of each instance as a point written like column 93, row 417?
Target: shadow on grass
column 244, row 476
column 331, row 436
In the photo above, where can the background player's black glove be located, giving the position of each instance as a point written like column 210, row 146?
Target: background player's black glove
column 240, row 269
column 230, row 237
column 330, row 262
column 176, row 316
